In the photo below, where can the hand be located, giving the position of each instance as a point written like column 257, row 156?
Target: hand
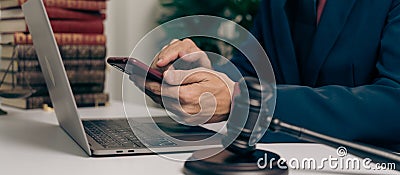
column 190, row 56
column 188, row 53
column 196, row 96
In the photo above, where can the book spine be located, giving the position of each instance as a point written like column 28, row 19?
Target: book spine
column 75, row 77
column 77, row 65
column 55, row 13
column 75, row 5
column 36, row 102
column 63, row 26
column 25, row 52
column 65, row 39
column 76, row 89
column 22, row 38
column 82, row 100
column 68, row 52
column 88, row 0
column 40, row 87
column 83, row 51
column 91, row 98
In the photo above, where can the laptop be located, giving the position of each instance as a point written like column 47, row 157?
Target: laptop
column 105, row 137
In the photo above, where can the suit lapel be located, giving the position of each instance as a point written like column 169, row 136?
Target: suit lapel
column 332, row 22
column 283, row 43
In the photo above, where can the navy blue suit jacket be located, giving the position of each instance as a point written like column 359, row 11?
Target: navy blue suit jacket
column 350, row 84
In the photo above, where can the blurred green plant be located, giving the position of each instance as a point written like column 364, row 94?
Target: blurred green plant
column 239, row 11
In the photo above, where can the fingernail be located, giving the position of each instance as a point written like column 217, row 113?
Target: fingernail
column 159, row 61
column 173, row 41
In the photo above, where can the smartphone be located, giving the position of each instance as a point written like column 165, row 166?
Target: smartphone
column 132, row 66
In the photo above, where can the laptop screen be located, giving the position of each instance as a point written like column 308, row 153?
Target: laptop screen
column 53, row 71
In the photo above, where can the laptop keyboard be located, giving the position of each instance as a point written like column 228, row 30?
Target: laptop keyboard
column 118, row 134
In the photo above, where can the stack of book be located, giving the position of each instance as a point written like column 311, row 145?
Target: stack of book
column 79, row 31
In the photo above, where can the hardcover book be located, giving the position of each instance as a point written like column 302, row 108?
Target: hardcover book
column 19, row 38
column 33, row 65
column 76, row 89
column 54, row 13
column 36, row 78
column 27, row 52
column 59, row 26
column 82, row 100
column 68, row 4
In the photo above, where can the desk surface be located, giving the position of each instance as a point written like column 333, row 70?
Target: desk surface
column 31, row 142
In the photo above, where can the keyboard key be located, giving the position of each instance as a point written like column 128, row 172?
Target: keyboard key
column 117, row 134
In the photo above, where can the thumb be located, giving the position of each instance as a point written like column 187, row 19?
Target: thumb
column 182, row 77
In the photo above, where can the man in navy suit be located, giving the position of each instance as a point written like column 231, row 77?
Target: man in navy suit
column 337, row 73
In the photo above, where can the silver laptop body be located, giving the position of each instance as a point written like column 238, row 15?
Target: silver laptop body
column 64, row 103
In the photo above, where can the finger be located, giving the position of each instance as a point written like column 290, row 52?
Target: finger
column 182, row 77
column 193, row 55
column 170, row 91
column 191, row 60
column 168, row 54
column 157, row 57
column 173, row 41
column 176, row 50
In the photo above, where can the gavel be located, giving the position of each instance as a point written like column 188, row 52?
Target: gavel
column 241, row 155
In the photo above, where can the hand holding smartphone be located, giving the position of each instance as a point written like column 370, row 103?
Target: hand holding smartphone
column 132, row 66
